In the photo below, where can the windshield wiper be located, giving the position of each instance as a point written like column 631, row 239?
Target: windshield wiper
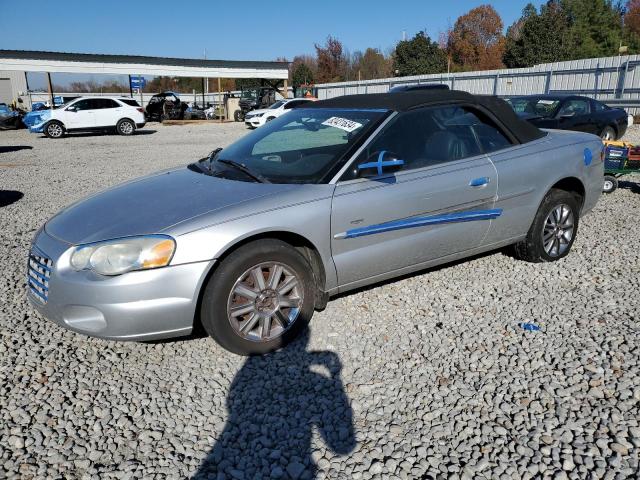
column 244, row 169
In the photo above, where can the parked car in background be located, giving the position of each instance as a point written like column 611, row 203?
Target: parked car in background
column 332, row 196
column 257, row 118
column 121, row 114
column 10, row 119
column 165, row 106
column 572, row 112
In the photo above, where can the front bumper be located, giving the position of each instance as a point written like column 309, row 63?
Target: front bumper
column 144, row 305
column 253, row 122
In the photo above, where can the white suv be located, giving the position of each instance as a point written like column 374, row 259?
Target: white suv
column 93, row 113
column 256, row 118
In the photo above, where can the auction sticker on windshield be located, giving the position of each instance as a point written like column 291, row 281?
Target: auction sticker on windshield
column 342, row 124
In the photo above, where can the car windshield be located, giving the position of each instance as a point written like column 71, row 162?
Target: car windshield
column 542, row 107
column 278, row 104
column 304, row 146
column 249, row 94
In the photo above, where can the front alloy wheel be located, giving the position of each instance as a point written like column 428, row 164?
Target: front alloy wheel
column 54, row 130
column 265, row 301
column 259, row 297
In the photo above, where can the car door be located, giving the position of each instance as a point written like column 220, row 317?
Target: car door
column 438, row 205
column 80, row 114
column 575, row 114
column 107, row 112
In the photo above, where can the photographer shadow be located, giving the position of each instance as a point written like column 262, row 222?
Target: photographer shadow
column 274, row 404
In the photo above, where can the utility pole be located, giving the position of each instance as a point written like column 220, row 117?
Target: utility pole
column 206, row 81
column 50, row 86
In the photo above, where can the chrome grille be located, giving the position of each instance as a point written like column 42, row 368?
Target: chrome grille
column 38, row 275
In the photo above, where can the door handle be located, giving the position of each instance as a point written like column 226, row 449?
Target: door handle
column 479, row 182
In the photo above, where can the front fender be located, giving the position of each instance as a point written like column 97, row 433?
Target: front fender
column 309, row 220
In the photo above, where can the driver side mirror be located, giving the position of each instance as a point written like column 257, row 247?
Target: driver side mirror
column 380, row 163
column 72, row 109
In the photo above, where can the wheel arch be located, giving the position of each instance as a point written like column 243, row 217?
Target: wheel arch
column 297, row 241
column 574, row 186
column 127, row 118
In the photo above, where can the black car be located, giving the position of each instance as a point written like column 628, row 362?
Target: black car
column 571, row 112
column 165, row 106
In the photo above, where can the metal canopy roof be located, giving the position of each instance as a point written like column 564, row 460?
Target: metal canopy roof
column 62, row 62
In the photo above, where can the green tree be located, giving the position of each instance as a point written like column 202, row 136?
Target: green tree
column 539, row 38
column 419, row 56
column 596, row 27
column 301, row 74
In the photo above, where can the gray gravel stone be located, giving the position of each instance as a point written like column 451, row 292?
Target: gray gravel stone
column 428, row 376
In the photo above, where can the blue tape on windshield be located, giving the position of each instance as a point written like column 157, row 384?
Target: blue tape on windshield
column 380, row 163
column 414, row 222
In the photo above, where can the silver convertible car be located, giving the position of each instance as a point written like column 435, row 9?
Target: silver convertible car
column 339, row 194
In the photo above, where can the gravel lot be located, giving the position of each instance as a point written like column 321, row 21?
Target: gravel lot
column 427, row 376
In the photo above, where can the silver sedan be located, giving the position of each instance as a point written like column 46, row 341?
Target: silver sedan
column 343, row 193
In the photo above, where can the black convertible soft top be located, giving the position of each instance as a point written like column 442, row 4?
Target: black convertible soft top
column 402, row 101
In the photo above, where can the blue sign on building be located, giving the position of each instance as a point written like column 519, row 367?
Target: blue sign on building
column 138, row 82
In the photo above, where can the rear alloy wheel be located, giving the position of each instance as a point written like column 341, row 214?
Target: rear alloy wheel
column 125, row 127
column 610, row 184
column 553, row 230
column 54, row 130
column 259, row 298
column 608, row 134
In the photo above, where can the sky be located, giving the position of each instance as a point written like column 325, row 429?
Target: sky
column 240, row 30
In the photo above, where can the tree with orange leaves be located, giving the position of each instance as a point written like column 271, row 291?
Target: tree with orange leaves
column 632, row 16
column 476, row 41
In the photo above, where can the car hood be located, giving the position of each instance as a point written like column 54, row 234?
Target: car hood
column 152, row 204
column 256, row 112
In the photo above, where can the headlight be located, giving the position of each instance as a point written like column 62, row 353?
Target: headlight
column 114, row 257
column 258, row 115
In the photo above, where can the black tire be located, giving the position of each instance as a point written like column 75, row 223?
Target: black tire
column 238, row 116
column 125, row 127
column 532, row 248
column 610, row 184
column 608, row 133
column 54, row 129
column 217, row 294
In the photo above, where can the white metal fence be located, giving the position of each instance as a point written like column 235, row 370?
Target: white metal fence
column 614, row 80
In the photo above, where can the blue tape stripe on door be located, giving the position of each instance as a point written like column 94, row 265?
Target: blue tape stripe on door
column 414, row 222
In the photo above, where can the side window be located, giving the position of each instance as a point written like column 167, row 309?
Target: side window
column 599, row 107
column 290, row 105
column 574, row 107
column 109, row 103
column 83, row 105
column 489, row 135
column 432, row 136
